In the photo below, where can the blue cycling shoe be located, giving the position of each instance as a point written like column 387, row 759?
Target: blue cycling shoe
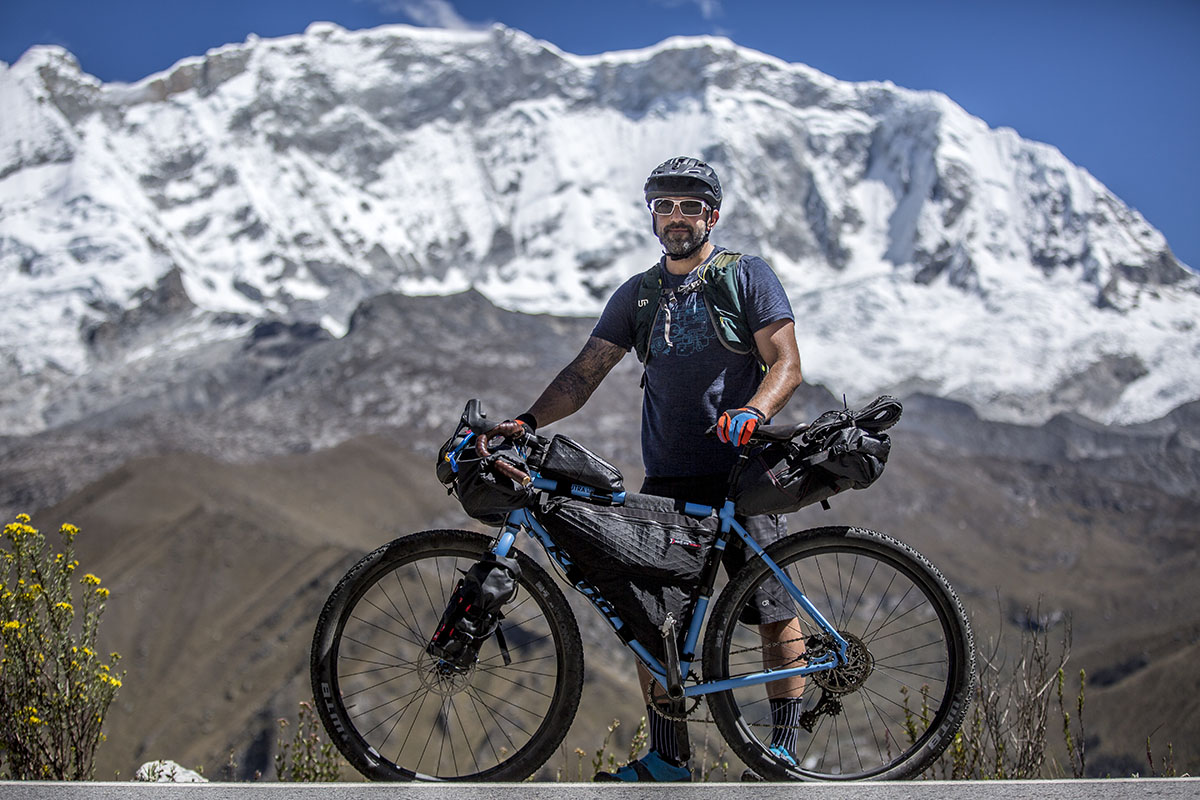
column 651, row 768
column 779, row 751
column 782, row 752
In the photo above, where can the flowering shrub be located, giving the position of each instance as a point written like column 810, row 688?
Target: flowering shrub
column 307, row 757
column 55, row 688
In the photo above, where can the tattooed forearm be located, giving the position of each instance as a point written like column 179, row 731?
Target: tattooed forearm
column 567, row 393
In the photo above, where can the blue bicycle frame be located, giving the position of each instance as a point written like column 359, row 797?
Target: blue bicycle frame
column 523, row 518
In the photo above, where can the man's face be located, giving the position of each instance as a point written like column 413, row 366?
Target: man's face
column 680, row 233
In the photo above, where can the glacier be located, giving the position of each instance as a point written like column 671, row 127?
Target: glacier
column 293, row 178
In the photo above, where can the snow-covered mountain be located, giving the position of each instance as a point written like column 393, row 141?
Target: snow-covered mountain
column 293, row 178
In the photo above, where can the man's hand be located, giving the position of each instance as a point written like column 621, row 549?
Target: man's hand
column 737, row 425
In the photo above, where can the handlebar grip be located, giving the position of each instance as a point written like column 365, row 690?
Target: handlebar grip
column 513, row 431
column 508, row 470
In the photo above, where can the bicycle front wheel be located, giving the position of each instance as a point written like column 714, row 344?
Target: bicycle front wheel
column 890, row 709
column 396, row 713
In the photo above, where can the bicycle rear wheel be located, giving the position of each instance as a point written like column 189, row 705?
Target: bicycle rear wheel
column 892, row 708
column 397, row 714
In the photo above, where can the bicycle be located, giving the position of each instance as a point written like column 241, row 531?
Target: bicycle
column 884, row 649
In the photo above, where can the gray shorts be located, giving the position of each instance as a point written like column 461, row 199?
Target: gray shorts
column 771, row 602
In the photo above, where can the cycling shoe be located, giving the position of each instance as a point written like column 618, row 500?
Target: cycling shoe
column 780, row 752
column 651, row 768
column 878, row 415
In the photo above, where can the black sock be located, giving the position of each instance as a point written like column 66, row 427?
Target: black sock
column 662, row 736
column 785, row 721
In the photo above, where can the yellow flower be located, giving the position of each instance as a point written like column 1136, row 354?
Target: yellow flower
column 103, row 593
column 23, row 519
column 64, row 606
column 90, row 580
column 69, row 531
column 12, row 625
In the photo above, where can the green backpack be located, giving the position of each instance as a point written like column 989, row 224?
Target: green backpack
column 717, row 279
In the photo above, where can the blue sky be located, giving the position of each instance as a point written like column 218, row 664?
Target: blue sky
column 1114, row 84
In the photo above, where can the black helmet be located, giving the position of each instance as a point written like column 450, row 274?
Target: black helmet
column 684, row 176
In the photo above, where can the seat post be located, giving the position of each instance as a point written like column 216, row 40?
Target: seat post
column 735, row 473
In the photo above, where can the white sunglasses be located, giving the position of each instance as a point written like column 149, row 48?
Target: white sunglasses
column 665, row 207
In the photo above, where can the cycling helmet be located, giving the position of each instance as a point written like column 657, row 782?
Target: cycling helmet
column 684, row 176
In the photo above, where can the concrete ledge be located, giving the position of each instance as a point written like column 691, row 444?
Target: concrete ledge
column 1117, row 789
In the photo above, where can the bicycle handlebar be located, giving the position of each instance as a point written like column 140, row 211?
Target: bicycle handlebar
column 513, row 431
column 876, row 416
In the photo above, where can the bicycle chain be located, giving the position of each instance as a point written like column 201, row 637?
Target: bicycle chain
column 766, row 645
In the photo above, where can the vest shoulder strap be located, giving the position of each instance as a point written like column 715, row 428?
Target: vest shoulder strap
column 649, row 291
column 719, row 283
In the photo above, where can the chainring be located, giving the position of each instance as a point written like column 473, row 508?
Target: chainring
column 663, row 705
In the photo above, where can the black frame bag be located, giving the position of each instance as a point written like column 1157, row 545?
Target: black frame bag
column 566, row 459
column 644, row 557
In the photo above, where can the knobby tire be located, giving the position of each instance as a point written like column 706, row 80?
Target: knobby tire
column 886, row 716
column 389, row 709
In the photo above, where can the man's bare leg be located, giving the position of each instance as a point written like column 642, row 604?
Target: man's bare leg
column 783, row 648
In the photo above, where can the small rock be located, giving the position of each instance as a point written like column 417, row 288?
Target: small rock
column 167, row 772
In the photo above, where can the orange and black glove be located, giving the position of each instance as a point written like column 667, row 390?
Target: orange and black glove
column 737, row 425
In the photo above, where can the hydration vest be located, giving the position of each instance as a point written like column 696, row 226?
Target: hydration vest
column 717, row 280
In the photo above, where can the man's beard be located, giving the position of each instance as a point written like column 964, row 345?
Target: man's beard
column 677, row 245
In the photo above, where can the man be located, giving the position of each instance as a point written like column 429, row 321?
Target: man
column 694, row 378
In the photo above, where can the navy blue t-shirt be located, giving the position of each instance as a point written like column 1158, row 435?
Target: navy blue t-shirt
column 691, row 380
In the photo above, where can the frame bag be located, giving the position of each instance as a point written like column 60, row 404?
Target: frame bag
column 644, row 557
column 568, row 460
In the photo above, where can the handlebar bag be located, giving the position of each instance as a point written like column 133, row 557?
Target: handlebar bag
column 567, row 460
column 483, row 494
column 785, row 477
column 644, row 557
